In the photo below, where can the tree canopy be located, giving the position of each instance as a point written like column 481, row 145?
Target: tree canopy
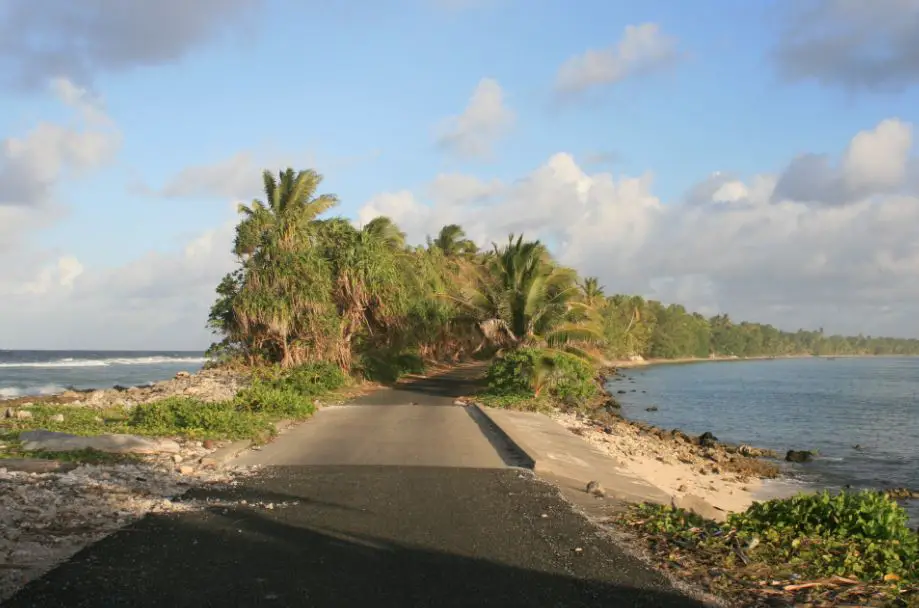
column 310, row 289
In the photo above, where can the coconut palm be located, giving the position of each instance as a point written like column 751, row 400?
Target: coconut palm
column 522, row 298
column 453, row 242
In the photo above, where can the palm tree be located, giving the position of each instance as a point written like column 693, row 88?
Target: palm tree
column 522, row 298
column 290, row 204
column 592, row 292
column 386, row 230
column 283, row 275
column 453, row 242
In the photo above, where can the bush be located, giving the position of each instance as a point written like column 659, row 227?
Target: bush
column 309, row 379
column 537, row 372
column 193, row 418
column 863, row 533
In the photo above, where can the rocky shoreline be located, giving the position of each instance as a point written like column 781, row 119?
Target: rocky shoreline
column 207, row 385
column 51, row 509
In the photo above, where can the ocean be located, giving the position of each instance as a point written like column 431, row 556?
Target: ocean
column 43, row 372
column 860, row 414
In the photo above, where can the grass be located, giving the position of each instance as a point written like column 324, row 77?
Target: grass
column 273, row 395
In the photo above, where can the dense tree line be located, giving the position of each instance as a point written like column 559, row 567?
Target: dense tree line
column 312, row 289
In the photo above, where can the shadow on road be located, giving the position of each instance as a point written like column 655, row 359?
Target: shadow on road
column 441, row 389
column 246, row 557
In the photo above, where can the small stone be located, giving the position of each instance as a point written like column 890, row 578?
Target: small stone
column 682, row 488
column 578, row 550
column 208, row 444
column 177, row 458
column 459, row 402
column 183, row 375
column 23, row 414
column 186, row 469
column 596, row 488
column 57, row 418
column 544, row 515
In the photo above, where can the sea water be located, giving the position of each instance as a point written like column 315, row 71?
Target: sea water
column 24, row 372
column 860, row 414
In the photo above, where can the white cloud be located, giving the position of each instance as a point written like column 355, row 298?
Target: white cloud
column 485, row 120
column 733, row 245
column 643, row 49
column 875, row 162
column 31, row 166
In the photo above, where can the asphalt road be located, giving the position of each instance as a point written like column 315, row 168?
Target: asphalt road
column 357, row 533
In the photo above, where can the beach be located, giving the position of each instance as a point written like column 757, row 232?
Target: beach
column 712, row 481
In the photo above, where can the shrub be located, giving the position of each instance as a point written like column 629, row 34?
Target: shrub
column 308, row 379
column 268, row 399
column 537, row 372
column 863, row 533
column 193, row 418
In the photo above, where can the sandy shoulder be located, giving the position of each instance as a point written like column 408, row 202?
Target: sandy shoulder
column 686, row 472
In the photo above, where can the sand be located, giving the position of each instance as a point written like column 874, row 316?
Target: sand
column 696, row 478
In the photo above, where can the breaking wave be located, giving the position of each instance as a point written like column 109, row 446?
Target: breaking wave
column 45, row 389
column 70, row 362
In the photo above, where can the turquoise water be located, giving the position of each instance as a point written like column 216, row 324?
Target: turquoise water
column 807, row 404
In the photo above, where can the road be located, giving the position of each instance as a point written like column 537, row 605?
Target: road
column 382, row 504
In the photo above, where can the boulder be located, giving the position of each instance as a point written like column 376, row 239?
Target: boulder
column 799, row 456
column 114, row 443
column 707, row 440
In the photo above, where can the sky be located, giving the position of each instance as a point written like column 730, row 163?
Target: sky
column 753, row 158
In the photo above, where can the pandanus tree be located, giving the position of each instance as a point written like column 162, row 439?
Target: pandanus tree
column 281, row 287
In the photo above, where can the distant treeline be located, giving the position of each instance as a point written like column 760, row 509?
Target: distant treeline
column 635, row 326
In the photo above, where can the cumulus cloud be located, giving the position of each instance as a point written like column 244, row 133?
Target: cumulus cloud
column 851, row 44
column 158, row 301
column 42, row 40
column 32, row 164
column 643, row 49
column 733, row 244
column 876, row 161
column 485, row 120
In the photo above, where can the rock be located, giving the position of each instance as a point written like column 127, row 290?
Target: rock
column 9, row 413
column 183, row 375
column 903, row 494
column 653, row 408
column 595, row 488
column 36, row 465
column 799, row 456
column 622, row 392
column 208, row 444
column 707, row 440
column 186, row 469
column 57, row 418
column 23, row 415
column 177, row 458
column 113, row 443
column 459, row 402
column 682, row 488
column 96, row 398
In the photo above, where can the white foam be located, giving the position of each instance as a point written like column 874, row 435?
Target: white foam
column 11, row 392
column 70, row 362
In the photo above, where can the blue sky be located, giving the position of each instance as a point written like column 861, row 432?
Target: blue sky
column 362, row 92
